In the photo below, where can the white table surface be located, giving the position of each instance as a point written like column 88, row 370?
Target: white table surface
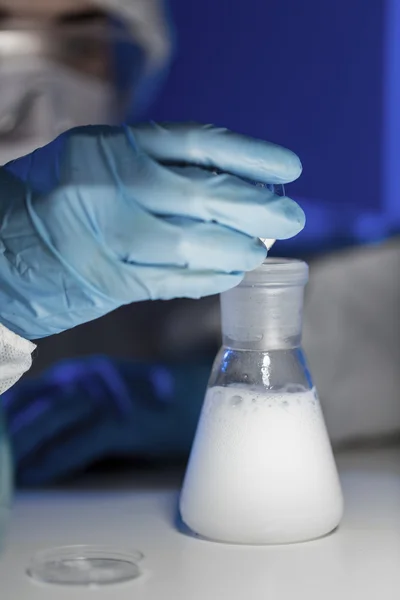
column 361, row 561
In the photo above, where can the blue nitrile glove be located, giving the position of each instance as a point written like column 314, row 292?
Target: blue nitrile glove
column 99, row 218
column 85, row 410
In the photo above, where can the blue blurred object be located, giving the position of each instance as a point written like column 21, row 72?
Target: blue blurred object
column 134, row 81
column 319, row 77
column 6, row 480
column 100, row 218
column 82, row 411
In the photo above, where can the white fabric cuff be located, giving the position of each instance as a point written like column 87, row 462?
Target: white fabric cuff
column 15, row 357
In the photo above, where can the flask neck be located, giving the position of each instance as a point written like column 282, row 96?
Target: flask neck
column 262, row 318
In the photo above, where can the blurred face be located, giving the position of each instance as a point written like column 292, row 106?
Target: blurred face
column 56, row 71
column 44, row 9
column 77, row 26
column 65, row 63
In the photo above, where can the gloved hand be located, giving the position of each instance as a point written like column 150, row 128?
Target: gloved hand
column 99, row 218
column 84, row 410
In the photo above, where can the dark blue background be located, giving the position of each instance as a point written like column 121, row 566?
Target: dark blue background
column 308, row 75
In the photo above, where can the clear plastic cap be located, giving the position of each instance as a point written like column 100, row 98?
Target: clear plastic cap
column 277, row 272
column 264, row 311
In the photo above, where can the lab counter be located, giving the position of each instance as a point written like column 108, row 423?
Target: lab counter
column 360, row 561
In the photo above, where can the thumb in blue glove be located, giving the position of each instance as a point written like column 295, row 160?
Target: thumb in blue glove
column 105, row 216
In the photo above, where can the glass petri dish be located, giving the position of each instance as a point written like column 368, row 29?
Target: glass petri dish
column 85, row 566
column 279, row 190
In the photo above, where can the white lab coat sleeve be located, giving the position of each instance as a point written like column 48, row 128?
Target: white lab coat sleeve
column 15, row 357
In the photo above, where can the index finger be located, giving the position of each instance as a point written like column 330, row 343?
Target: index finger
column 217, row 148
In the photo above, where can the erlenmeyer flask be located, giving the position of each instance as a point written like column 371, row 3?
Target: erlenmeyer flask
column 262, row 469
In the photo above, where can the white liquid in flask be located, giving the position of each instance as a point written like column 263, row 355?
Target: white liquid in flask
column 261, row 470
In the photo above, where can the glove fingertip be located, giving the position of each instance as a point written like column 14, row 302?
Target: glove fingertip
column 293, row 219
